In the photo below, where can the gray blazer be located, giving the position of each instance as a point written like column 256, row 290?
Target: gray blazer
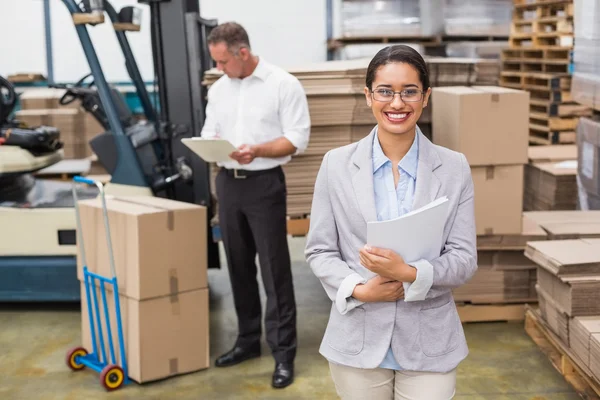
column 425, row 335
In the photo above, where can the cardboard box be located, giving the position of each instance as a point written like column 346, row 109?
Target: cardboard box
column 45, row 98
column 163, row 337
column 159, row 245
column 588, row 149
column 498, row 199
column 488, row 124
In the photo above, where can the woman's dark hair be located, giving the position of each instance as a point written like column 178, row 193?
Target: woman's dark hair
column 398, row 53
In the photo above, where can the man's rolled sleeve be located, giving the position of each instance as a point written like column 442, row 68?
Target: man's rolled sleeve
column 294, row 115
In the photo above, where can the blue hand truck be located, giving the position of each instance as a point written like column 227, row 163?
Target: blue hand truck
column 112, row 375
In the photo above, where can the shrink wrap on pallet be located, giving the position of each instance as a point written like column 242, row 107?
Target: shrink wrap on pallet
column 478, row 17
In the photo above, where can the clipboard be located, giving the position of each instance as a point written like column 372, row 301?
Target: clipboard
column 210, row 150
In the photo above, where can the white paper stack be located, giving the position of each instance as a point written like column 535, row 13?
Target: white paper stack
column 414, row 236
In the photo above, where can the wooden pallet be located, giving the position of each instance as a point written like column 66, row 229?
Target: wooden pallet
column 545, row 123
column 490, row 312
column 536, row 81
column 561, row 357
column 559, row 109
column 298, row 225
column 542, row 137
column 542, row 9
column 550, row 66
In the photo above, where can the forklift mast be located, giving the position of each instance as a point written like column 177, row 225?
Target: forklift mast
column 181, row 57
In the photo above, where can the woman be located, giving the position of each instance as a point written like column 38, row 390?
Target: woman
column 394, row 331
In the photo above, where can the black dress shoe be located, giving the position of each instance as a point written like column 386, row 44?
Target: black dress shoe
column 283, row 375
column 237, row 355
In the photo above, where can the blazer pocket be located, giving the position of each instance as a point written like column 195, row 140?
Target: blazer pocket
column 438, row 330
column 346, row 333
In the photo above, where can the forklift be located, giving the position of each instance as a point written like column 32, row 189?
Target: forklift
column 142, row 156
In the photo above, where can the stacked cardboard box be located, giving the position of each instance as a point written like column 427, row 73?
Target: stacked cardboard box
column 41, row 106
column 569, row 295
column 161, row 265
column 588, row 166
column 489, row 125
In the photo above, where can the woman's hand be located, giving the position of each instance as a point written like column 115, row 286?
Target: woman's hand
column 379, row 289
column 387, row 263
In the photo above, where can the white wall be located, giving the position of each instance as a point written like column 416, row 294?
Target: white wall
column 283, row 31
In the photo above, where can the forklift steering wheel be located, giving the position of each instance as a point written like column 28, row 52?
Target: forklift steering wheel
column 8, row 98
column 71, row 93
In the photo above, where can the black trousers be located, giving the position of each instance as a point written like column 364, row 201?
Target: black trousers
column 252, row 217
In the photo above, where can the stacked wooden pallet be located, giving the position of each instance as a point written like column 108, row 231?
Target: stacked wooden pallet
column 539, row 60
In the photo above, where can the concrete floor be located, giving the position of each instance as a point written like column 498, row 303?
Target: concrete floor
column 503, row 364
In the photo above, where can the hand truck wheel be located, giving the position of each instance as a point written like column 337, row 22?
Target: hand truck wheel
column 72, row 357
column 112, row 377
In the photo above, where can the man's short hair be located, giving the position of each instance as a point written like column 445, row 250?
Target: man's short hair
column 232, row 34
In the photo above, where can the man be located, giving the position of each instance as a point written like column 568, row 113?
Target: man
column 263, row 111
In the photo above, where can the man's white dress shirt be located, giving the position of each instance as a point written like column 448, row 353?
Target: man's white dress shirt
column 262, row 107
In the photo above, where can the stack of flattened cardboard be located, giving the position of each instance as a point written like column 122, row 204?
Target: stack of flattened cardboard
column 41, row 106
column 552, row 158
column 560, row 225
column 582, row 330
column 336, row 120
column 551, row 186
column 161, row 266
column 504, row 274
column 569, row 292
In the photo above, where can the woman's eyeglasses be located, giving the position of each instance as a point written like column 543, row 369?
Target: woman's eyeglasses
column 387, row 95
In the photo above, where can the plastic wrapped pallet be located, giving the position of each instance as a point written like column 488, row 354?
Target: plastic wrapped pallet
column 478, row 17
column 391, row 18
column 487, row 50
column 586, row 53
column 368, row 50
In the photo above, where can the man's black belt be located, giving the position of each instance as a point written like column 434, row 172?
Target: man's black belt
column 245, row 173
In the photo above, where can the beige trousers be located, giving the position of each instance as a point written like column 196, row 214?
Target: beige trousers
column 386, row 384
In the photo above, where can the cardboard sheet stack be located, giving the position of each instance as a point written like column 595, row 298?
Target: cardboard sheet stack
column 489, row 125
column 161, row 266
column 569, row 296
column 550, row 178
column 41, row 106
column 504, row 274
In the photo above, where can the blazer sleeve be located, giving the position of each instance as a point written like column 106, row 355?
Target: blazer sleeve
column 322, row 250
column 458, row 261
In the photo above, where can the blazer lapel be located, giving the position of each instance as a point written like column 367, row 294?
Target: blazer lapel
column 428, row 184
column 362, row 179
